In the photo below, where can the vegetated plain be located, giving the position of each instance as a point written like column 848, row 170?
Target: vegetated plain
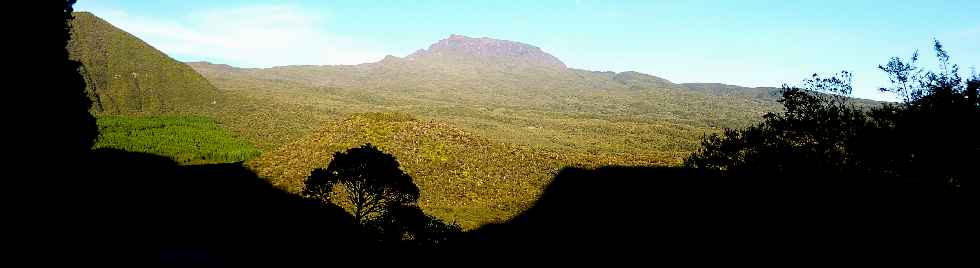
column 481, row 124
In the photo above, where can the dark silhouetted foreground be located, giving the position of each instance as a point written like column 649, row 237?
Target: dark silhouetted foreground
column 633, row 213
column 824, row 179
column 930, row 138
column 50, row 132
column 216, row 214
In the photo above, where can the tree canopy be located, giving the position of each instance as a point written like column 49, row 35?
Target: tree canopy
column 930, row 137
column 371, row 181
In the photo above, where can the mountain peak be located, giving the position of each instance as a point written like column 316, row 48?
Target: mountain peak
column 461, row 47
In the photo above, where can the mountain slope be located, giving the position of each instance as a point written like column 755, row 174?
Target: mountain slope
column 126, row 76
column 463, row 178
column 514, row 93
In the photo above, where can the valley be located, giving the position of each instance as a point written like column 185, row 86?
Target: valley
column 240, row 133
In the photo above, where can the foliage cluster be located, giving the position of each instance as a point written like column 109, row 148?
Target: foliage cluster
column 184, row 139
column 380, row 197
column 930, row 138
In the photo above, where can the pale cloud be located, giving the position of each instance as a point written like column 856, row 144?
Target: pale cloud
column 247, row 36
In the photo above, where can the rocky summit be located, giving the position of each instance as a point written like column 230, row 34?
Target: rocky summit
column 484, row 49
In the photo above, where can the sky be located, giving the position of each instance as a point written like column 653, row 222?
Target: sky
column 746, row 43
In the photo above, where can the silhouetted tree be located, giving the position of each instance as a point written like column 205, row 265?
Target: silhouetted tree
column 811, row 134
column 409, row 226
column 929, row 138
column 936, row 125
column 319, row 186
column 371, row 181
column 382, row 197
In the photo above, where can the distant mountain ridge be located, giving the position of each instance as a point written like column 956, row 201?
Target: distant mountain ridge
column 515, row 93
column 719, row 89
column 460, row 61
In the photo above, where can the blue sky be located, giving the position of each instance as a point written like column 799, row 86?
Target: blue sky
column 748, row 43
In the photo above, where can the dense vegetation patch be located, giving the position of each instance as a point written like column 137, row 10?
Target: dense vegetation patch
column 185, row 139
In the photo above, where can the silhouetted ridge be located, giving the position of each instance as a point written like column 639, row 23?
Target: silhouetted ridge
column 216, row 214
column 637, row 211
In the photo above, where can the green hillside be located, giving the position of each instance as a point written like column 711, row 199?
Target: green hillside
column 463, row 178
column 126, row 76
column 609, row 115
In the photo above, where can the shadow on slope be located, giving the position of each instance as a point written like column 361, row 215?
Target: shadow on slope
column 638, row 211
column 207, row 215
